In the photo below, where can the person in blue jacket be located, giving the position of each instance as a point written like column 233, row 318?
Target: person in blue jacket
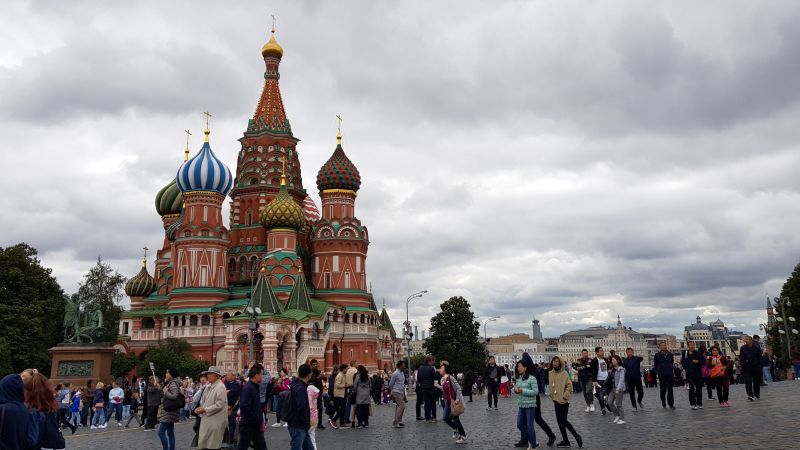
column 750, row 357
column 299, row 415
column 663, row 362
column 14, row 426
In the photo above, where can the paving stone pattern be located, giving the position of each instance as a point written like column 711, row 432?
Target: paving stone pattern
column 766, row 424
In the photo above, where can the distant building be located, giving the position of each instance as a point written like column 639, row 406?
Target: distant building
column 715, row 333
column 537, row 331
column 416, row 347
column 617, row 338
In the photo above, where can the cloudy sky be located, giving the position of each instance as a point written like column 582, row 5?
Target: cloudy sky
column 568, row 160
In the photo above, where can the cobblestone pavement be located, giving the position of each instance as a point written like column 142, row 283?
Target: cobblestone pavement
column 766, row 424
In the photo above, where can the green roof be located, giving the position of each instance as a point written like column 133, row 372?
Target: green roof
column 235, row 303
column 358, row 308
column 147, row 312
column 187, row 311
column 264, row 298
column 201, row 290
column 299, row 298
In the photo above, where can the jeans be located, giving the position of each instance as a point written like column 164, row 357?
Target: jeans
column 525, row 424
column 251, row 433
column 752, row 382
column 166, row 432
column 362, row 414
column 132, row 417
column 667, row 396
column 796, row 371
column 116, row 409
column 491, row 390
column 429, row 398
column 99, row 417
column 453, row 421
column 766, row 375
column 634, row 388
column 696, row 391
column 348, row 409
column 588, row 392
column 75, row 418
column 300, row 439
column 126, row 411
column 400, row 407
column 615, row 403
column 562, row 410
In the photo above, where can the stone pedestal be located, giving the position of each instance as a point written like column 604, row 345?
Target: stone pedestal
column 78, row 363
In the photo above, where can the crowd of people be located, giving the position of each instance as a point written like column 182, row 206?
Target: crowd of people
column 232, row 409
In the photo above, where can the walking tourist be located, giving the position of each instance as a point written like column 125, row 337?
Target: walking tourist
column 299, row 415
column 134, row 409
column 766, row 368
column 281, row 385
column 633, row 378
column 153, row 401
column 397, row 385
column 234, row 388
column 99, row 417
column 349, row 400
column 16, row 419
column 560, row 392
column 492, row 376
column 750, row 356
column 617, row 390
column 717, row 365
column 693, row 362
column 795, row 354
column 663, row 363
column 115, row 398
column 171, row 406
column 542, row 381
column 75, row 409
column 426, row 376
column 453, row 402
column 88, row 404
column 213, row 411
column 362, row 387
column 251, row 415
column 527, row 390
column 704, row 372
column 314, row 394
column 599, row 369
column 339, row 391
column 584, row 367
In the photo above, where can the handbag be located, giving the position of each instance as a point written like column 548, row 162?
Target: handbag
column 175, row 404
column 456, row 408
column 705, row 371
column 718, row 370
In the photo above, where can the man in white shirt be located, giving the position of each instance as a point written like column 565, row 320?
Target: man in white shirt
column 116, row 396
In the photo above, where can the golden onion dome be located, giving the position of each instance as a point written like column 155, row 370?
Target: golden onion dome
column 272, row 48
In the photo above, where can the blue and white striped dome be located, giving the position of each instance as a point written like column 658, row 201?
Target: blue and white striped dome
column 204, row 172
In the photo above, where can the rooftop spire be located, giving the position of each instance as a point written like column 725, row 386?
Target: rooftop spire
column 144, row 258
column 207, row 131
column 339, row 132
column 283, row 172
column 186, row 151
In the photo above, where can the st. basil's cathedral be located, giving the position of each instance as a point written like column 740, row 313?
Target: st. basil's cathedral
column 305, row 271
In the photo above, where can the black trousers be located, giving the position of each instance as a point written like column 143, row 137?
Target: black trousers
column 491, row 393
column 429, row 397
column 695, row 391
column 152, row 411
column 251, row 433
column 722, row 388
column 752, row 382
column 666, row 383
column 562, row 410
column 709, row 387
column 420, row 400
column 635, row 387
column 338, row 404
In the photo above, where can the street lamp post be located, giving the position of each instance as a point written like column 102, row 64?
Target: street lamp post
column 252, row 312
column 784, row 303
column 407, row 324
column 485, row 321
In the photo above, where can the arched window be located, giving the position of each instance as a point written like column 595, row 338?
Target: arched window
column 226, row 316
column 254, row 266
column 335, row 315
column 193, row 321
column 232, row 266
column 347, row 318
column 315, row 331
column 148, row 323
column 363, row 318
column 237, row 313
column 183, row 321
column 169, row 322
column 205, row 320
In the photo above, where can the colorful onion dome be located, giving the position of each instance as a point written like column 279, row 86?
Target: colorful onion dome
column 339, row 172
column 205, row 172
column 169, row 200
column 141, row 285
column 272, row 48
column 310, row 210
column 282, row 211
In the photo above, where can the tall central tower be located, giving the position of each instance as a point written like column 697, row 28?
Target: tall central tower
column 267, row 144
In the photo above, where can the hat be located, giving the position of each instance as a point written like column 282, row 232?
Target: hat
column 213, row 369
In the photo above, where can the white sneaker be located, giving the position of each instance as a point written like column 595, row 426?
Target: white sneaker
column 616, row 419
column 461, row 440
column 119, row 424
column 93, row 427
column 105, row 425
column 591, row 408
column 276, row 424
column 285, row 424
column 694, row 407
column 587, row 408
column 620, row 422
column 456, row 435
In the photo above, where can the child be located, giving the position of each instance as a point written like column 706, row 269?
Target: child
column 75, row 409
column 134, row 410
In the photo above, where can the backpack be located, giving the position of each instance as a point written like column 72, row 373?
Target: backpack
column 287, row 405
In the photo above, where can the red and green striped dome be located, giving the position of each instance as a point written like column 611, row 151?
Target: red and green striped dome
column 141, row 285
column 338, row 173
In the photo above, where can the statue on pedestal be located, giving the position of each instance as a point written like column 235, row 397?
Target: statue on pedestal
column 83, row 324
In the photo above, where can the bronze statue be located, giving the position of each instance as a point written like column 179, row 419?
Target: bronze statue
column 83, row 324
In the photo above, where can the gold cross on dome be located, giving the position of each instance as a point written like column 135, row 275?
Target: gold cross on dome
column 208, row 115
column 273, row 22
column 144, row 259
column 339, row 118
column 186, row 152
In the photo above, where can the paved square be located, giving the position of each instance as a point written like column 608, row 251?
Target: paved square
column 766, row 424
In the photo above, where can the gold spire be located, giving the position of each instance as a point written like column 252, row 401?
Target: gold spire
column 207, row 131
column 144, row 258
column 272, row 47
column 339, row 133
column 186, row 152
column 283, row 173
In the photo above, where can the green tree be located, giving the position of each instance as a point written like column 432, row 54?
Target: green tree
column 122, row 364
column 31, row 311
column 417, row 360
column 455, row 336
column 777, row 341
column 103, row 288
column 172, row 353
